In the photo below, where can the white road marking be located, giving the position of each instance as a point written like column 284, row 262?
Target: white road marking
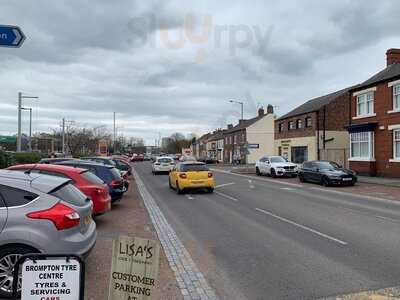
column 388, row 219
column 356, row 195
column 224, row 184
column 259, row 178
column 288, row 189
column 189, row 197
column 226, row 196
column 302, row 226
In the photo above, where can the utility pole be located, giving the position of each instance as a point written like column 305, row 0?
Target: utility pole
column 20, row 97
column 114, row 134
column 30, row 126
column 63, row 136
column 241, row 105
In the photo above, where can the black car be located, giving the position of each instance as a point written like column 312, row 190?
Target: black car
column 54, row 160
column 326, row 173
column 109, row 174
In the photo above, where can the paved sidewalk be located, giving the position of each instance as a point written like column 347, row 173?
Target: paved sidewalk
column 129, row 217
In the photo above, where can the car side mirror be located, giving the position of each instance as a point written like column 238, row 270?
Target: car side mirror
column 267, row 161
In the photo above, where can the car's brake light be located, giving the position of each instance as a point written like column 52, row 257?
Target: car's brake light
column 210, row 174
column 62, row 216
column 183, row 176
column 116, row 183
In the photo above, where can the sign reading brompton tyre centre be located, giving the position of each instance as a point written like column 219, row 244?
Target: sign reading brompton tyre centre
column 51, row 279
column 134, row 269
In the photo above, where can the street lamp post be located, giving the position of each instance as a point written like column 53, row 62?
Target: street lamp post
column 20, row 97
column 30, row 126
column 241, row 105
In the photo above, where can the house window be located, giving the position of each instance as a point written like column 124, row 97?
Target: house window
column 361, row 144
column 396, row 97
column 299, row 154
column 299, row 124
column 365, row 104
column 280, row 128
column 396, row 144
column 308, row 122
column 291, row 125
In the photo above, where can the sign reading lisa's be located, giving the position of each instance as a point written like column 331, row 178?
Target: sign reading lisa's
column 53, row 279
column 134, row 269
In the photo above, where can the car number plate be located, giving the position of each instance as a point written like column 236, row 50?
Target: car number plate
column 347, row 179
column 197, row 181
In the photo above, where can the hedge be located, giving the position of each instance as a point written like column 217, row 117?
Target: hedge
column 11, row 158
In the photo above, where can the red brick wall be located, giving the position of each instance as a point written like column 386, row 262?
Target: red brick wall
column 337, row 114
column 383, row 138
column 363, row 168
column 287, row 134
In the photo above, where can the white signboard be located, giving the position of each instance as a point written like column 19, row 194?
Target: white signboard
column 52, row 279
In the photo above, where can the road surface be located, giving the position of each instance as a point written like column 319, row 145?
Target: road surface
column 255, row 238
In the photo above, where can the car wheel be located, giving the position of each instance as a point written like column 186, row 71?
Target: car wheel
column 210, row 190
column 258, row 171
column 178, row 189
column 301, row 178
column 325, row 181
column 8, row 258
column 273, row 173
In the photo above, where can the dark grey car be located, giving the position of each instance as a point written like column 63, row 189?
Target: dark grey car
column 41, row 213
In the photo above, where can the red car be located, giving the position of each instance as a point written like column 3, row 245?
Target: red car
column 89, row 184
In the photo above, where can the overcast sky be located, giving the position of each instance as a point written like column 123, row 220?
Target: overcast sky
column 167, row 66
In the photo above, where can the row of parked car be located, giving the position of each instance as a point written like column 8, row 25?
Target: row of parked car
column 326, row 173
column 49, row 207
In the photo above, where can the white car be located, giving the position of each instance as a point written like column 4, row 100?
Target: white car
column 162, row 164
column 275, row 166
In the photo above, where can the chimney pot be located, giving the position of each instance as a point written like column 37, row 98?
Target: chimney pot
column 393, row 56
column 261, row 112
column 230, row 126
column 270, row 109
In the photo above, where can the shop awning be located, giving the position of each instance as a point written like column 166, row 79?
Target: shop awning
column 361, row 127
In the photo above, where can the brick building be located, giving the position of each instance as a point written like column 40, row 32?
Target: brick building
column 215, row 145
column 374, row 121
column 315, row 130
column 250, row 139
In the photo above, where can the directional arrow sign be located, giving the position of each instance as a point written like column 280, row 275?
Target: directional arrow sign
column 11, row 36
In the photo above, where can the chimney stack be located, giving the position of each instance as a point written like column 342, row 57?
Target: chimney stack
column 270, row 109
column 393, row 56
column 230, row 126
column 261, row 111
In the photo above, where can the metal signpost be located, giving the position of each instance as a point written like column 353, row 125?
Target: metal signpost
column 48, row 276
column 11, row 36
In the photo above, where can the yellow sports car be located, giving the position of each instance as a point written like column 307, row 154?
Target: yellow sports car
column 191, row 175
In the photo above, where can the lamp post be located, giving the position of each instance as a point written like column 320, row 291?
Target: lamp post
column 241, row 105
column 30, row 126
column 20, row 97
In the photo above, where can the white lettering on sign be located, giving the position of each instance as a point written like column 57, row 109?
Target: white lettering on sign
column 134, row 269
column 3, row 36
column 54, row 279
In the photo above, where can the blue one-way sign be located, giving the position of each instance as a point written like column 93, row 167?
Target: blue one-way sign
column 11, row 36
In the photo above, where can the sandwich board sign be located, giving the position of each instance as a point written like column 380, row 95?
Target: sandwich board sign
column 49, row 277
column 134, row 268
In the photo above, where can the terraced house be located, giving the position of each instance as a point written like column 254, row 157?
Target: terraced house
column 250, row 139
column 315, row 130
column 374, row 121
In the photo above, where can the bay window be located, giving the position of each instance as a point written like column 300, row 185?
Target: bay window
column 365, row 104
column 361, row 145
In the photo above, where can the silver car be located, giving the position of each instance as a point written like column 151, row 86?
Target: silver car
column 41, row 213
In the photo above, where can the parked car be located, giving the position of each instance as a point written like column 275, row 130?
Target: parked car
column 101, row 159
column 41, row 214
column 326, row 173
column 187, row 158
column 191, row 175
column 54, row 160
column 122, row 165
column 109, row 174
column 88, row 183
column 275, row 166
column 208, row 160
column 137, row 157
column 163, row 164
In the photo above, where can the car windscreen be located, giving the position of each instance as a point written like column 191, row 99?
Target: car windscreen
column 277, row 159
column 115, row 173
column 70, row 194
column 165, row 160
column 326, row 165
column 89, row 176
column 193, row 167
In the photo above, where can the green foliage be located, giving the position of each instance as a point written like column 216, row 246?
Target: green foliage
column 8, row 159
